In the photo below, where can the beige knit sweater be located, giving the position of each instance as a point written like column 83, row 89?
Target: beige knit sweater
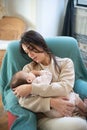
column 61, row 85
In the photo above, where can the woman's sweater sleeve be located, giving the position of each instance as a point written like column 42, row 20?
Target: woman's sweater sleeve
column 62, row 87
column 35, row 103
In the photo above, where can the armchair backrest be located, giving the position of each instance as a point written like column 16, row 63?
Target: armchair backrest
column 65, row 46
column 61, row 46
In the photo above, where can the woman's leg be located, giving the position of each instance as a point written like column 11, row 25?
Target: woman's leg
column 65, row 123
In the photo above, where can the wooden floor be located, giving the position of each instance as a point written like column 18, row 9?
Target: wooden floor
column 3, row 117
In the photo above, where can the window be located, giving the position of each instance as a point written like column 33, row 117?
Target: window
column 81, row 3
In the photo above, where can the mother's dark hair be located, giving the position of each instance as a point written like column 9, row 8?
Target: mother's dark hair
column 34, row 38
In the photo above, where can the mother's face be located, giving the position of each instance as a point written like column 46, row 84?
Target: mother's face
column 36, row 53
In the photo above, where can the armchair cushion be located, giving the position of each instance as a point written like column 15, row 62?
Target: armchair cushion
column 13, row 61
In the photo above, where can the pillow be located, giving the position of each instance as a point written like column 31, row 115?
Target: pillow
column 4, row 44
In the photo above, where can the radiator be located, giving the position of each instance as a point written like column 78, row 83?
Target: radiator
column 81, row 30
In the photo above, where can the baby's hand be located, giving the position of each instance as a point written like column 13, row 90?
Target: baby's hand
column 22, row 90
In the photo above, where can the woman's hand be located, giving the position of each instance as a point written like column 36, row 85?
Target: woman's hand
column 62, row 105
column 84, row 111
column 22, row 90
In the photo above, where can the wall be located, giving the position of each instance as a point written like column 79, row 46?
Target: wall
column 2, row 9
column 50, row 16
column 46, row 15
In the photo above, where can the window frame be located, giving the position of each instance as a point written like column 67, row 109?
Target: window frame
column 82, row 3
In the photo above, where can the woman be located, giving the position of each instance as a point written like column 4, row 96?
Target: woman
column 62, row 69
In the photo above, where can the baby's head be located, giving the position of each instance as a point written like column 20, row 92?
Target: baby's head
column 20, row 78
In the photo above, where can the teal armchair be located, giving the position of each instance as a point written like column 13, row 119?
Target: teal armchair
column 62, row 46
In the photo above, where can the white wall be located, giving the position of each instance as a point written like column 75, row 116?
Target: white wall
column 47, row 15
column 50, row 17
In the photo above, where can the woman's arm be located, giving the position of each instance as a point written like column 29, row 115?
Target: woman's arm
column 39, row 104
column 35, row 103
column 62, row 87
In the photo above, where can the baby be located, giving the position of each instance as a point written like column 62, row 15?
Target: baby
column 36, row 77
column 44, row 78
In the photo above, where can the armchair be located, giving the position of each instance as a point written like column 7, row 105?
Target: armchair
column 62, row 46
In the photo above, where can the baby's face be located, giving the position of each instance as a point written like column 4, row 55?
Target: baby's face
column 30, row 77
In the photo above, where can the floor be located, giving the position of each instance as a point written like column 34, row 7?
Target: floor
column 3, row 117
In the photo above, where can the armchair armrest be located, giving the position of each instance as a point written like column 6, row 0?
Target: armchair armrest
column 81, row 88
